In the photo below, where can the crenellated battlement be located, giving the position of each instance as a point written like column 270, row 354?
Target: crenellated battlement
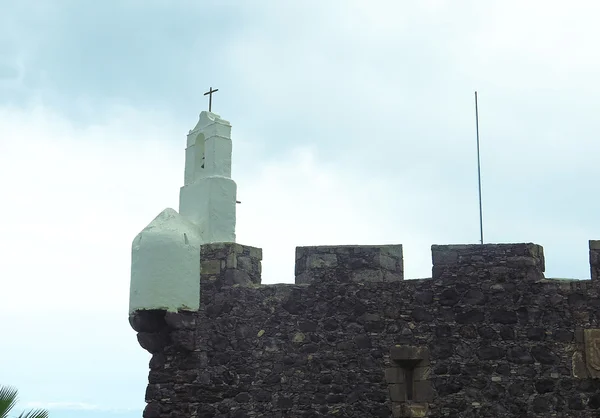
column 226, row 264
column 486, row 336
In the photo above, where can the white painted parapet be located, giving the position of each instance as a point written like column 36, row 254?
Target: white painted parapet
column 208, row 195
column 165, row 265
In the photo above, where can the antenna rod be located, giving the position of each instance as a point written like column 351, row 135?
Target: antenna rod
column 479, row 171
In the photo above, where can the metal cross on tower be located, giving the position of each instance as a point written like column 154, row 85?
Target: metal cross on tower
column 210, row 93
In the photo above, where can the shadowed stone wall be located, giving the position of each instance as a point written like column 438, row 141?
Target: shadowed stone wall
column 487, row 336
column 595, row 259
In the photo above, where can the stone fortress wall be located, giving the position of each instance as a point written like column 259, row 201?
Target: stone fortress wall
column 486, row 336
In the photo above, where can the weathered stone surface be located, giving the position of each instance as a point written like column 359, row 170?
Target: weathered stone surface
column 153, row 342
column 507, row 262
column 228, row 264
column 592, row 351
column 210, row 267
column 595, row 260
column 489, row 336
column 148, row 320
column 180, row 320
column 367, row 263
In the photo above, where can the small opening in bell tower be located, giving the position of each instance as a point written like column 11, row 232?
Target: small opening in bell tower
column 199, row 151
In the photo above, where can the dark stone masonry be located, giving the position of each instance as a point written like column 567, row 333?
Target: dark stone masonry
column 486, row 336
column 595, row 259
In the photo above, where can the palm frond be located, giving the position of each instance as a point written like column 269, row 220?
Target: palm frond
column 8, row 399
column 38, row 413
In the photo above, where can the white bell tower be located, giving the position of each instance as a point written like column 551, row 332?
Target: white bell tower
column 208, row 195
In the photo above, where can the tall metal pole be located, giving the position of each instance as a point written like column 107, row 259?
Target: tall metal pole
column 479, row 171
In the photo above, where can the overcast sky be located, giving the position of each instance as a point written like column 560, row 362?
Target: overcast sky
column 353, row 123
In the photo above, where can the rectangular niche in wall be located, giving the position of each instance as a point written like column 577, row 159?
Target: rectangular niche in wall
column 408, row 381
column 586, row 359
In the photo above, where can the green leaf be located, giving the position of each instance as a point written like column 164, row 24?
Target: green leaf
column 38, row 413
column 8, row 399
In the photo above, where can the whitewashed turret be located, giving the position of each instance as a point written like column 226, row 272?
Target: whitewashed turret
column 165, row 265
column 165, row 256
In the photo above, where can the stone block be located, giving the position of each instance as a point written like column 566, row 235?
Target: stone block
column 304, row 278
column 422, row 391
column 300, row 252
column 409, row 410
column 255, row 253
column 184, row 340
column 236, row 277
column 244, row 263
column 300, row 267
column 319, row 261
column 421, row 373
column 417, row 410
column 397, row 392
column 394, row 251
column 364, row 276
column 579, row 335
column 394, row 375
column 592, row 351
column 578, row 366
column 180, row 320
column 153, row 342
column 231, row 261
column 594, row 258
column 398, row 410
column 400, row 353
column 386, row 262
column 388, row 276
column 210, row 267
column 152, row 410
column 444, row 254
column 521, row 261
column 148, row 320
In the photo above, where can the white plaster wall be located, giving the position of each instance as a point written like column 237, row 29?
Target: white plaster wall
column 190, row 164
column 210, row 204
column 165, row 265
column 212, row 125
column 221, row 211
column 218, row 156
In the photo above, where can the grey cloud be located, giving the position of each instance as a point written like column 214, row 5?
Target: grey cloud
column 386, row 90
